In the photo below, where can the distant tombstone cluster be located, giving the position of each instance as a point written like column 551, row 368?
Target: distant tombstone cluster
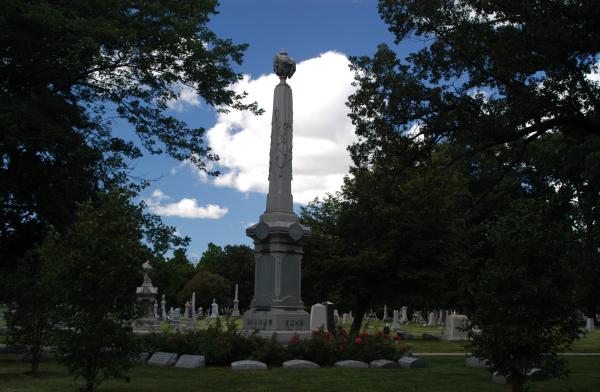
column 153, row 313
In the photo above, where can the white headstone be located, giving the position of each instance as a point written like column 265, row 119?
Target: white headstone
column 385, row 313
column 589, row 324
column 411, row 362
column 318, row 316
column 384, row 364
column 214, row 310
column 351, row 364
column 431, row 319
column 454, row 324
column 163, row 308
column 396, row 320
column 191, row 362
column 248, row 365
column 404, row 315
column 162, row 359
column 300, row 364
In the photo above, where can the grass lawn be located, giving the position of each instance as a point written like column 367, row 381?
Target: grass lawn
column 442, row 374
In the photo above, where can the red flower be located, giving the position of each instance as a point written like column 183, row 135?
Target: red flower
column 358, row 341
column 396, row 338
column 294, row 340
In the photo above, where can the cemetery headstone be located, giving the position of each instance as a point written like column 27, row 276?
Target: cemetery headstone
column 384, row 364
column 589, row 324
column 431, row 321
column 396, row 320
column 163, row 308
column 214, row 310
column 454, row 328
column 162, row 359
column 300, row 364
column 330, row 326
column 385, row 313
column 190, row 362
column 351, row 364
column 318, row 316
column 248, row 365
column 477, row 363
column 404, row 315
column 409, row 362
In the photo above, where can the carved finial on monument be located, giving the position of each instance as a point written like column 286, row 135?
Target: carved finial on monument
column 283, row 65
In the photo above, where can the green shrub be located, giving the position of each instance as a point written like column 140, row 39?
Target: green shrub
column 222, row 344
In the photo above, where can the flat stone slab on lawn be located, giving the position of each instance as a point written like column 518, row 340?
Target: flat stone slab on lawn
column 351, row 364
column 191, row 362
column 300, row 364
column 248, row 365
column 474, row 362
column 384, row 364
column 537, row 374
column 498, row 379
column 162, row 359
column 411, row 363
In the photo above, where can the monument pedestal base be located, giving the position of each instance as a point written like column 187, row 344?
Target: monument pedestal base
column 146, row 325
column 284, row 323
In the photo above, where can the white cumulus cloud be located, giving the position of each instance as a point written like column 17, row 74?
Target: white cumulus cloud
column 322, row 130
column 184, row 208
column 187, row 97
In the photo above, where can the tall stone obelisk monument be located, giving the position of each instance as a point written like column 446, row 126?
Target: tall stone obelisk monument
column 278, row 236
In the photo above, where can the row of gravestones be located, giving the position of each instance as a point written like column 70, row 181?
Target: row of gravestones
column 164, row 359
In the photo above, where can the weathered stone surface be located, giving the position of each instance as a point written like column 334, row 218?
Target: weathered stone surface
column 318, row 316
column 474, row 362
column 537, row 374
column 351, row 364
column 300, row 364
column 384, row 364
column 162, row 359
column 454, row 324
column 143, row 357
column 248, row 365
column 498, row 379
column 411, row 362
column 191, row 362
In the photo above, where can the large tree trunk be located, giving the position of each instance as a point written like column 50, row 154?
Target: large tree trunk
column 361, row 308
column 517, row 380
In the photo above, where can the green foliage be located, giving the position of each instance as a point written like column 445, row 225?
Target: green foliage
column 170, row 275
column 222, row 345
column 235, row 263
column 207, row 286
column 395, row 230
column 70, row 71
column 525, row 309
column 326, row 348
column 97, row 261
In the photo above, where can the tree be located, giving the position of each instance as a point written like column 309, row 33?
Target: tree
column 207, row 286
column 395, row 229
column 487, row 73
column 95, row 265
column 525, row 309
column 235, row 263
column 170, row 275
column 69, row 70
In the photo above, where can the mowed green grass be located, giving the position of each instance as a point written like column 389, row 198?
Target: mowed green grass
column 442, row 374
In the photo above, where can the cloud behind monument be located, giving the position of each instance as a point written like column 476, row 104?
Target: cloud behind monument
column 322, row 131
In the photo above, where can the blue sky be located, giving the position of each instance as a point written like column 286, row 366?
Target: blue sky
column 318, row 34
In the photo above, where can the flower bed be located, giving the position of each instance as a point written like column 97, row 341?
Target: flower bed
column 222, row 344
